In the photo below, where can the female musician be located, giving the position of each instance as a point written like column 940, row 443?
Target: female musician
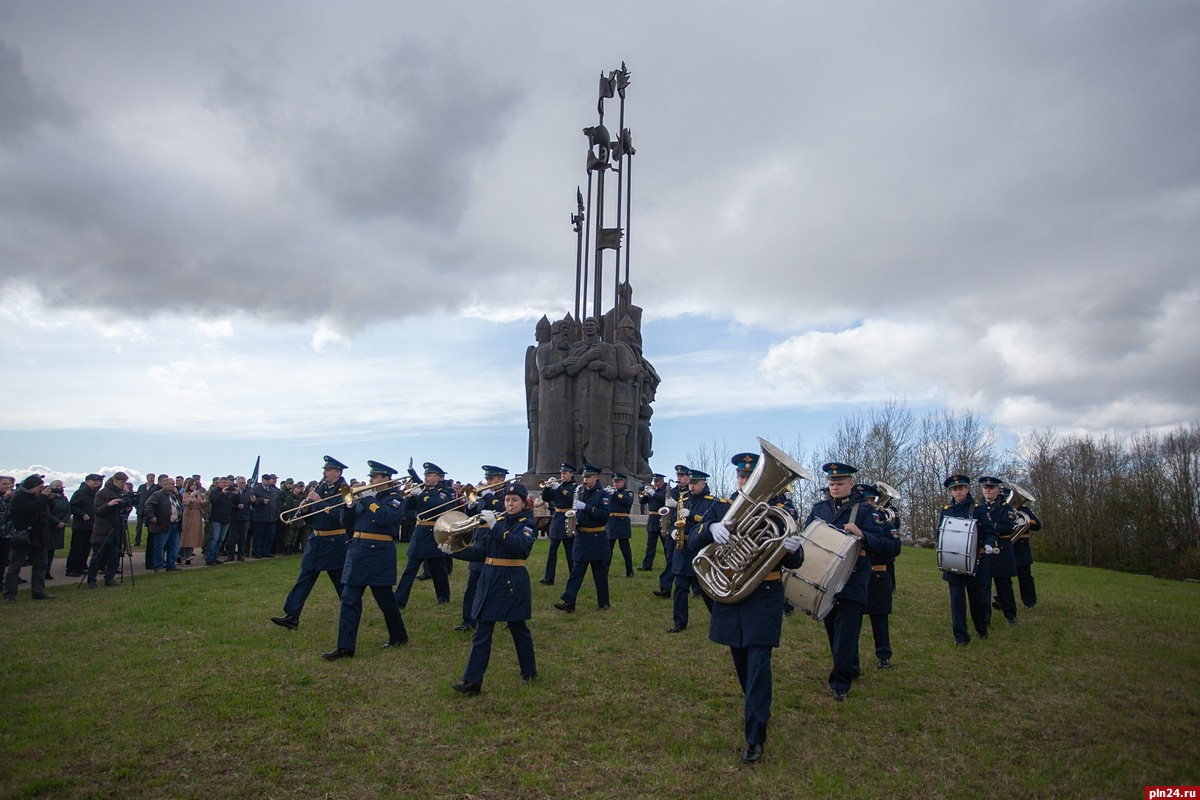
column 503, row 593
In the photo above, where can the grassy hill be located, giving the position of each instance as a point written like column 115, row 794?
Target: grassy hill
column 181, row 687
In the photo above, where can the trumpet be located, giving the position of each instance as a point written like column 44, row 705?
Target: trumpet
column 553, row 483
column 349, row 496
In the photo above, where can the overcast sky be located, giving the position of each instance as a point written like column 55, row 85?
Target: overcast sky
column 290, row 225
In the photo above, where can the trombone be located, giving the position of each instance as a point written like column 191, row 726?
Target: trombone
column 470, row 494
column 350, row 495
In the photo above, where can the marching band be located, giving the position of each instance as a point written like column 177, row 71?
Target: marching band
column 749, row 550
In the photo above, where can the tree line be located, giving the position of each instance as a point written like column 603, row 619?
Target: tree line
column 1127, row 503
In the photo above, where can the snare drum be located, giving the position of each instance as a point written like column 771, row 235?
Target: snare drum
column 829, row 558
column 958, row 545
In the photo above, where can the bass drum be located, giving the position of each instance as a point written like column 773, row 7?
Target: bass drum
column 958, row 545
column 829, row 558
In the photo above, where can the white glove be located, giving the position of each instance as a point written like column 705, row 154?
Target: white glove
column 791, row 544
column 489, row 517
column 719, row 532
column 672, row 502
column 444, row 547
column 368, row 493
column 579, row 505
column 609, row 490
column 674, row 536
column 990, row 550
column 487, row 493
column 683, row 512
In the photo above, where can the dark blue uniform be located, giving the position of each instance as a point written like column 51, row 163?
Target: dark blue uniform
column 655, row 500
column 1023, row 555
column 844, row 623
column 970, row 589
column 880, row 589
column 1003, row 565
column 560, row 500
column 325, row 550
column 491, row 501
column 618, row 528
column 503, row 593
column 751, row 631
column 698, row 508
column 591, row 546
column 371, row 562
column 423, row 548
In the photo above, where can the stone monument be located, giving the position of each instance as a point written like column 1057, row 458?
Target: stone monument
column 589, row 391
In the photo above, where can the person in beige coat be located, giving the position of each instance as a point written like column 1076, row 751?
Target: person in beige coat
column 191, row 535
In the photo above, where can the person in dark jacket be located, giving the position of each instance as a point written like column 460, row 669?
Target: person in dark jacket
column 29, row 512
column 371, row 563
column 654, row 497
column 591, row 548
column 264, row 503
column 151, row 490
column 142, row 492
column 750, row 628
column 880, row 588
column 848, row 512
column 83, row 504
column 164, row 514
column 1002, row 566
column 60, row 517
column 491, row 498
column 108, row 537
column 503, row 593
column 222, row 498
column 238, row 540
column 6, row 493
column 327, row 553
column 618, row 528
column 969, row 589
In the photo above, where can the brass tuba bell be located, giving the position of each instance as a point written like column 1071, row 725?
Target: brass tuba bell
column 456, row 528
column 729, row 572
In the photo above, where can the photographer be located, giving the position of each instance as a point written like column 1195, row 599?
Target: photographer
column 30, row 513
column 108, row 537
column 60, row 515
column 222, row 498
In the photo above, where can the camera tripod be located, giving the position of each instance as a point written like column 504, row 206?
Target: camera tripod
column 126, row 553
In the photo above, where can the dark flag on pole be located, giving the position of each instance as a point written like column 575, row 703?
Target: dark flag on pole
column 254, row 477
column 608, row 239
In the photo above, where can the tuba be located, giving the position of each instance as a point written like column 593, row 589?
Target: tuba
column 1017, row 500
column 888, row 495
column 729, row 572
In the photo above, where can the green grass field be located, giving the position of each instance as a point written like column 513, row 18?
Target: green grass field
column 181, row 687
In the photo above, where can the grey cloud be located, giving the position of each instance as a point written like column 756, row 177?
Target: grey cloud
column 24, row 105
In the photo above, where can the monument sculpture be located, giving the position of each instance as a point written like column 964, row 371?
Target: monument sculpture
column 589, row 390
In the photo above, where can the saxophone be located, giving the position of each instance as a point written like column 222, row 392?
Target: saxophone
column 570, row 513
column 680, row 520
column 729, row 572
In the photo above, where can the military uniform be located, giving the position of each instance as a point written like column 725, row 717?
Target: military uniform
column 666, row 578
column 560, row 498
column 503, row 592
column 693, row 510
column 1002, row 565
column 655, row 499
column 880, row 588
column 326, row 549
column 618, row 527
column 371, row 562
column 750, row 629
column 423, row 548
column 1023, row 555
column 970, row 590
column 844, row 624
column 490, row 499
column 591, row 544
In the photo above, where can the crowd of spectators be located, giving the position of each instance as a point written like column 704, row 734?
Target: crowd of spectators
column 179, row 519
